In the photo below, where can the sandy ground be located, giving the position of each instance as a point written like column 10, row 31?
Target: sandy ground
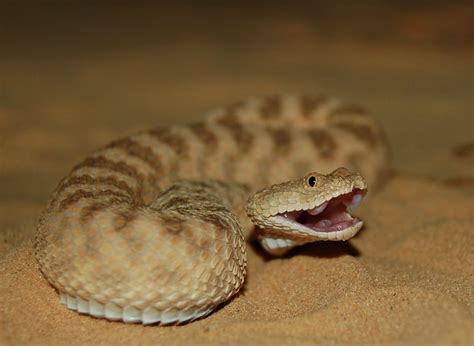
column 72, row 78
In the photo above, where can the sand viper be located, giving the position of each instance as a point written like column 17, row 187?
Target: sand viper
column 152, row 228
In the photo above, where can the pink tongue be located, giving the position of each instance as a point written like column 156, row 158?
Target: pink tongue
column 334, row 226
column 330, row 217
column 334, row 219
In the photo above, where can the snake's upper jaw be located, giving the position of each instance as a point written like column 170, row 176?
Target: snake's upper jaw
column 329, row 220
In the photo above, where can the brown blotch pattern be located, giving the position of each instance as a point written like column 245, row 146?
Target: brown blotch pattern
column 281, row 140
column 310, row 104
column 173, row 225
column 361, row 131
column 229, row 118
column 123, row 219
column 323, row 142
column 88, row 212
column 205, row 135
column 80, row 194
column 135, row 149
column 241, row 136
column 271, row 108
column 89, row 180
column 177, row 143
column 119, row 167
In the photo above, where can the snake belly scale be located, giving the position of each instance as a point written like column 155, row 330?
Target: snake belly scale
column 152, row 228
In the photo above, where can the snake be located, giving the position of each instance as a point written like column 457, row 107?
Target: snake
column 153, row 228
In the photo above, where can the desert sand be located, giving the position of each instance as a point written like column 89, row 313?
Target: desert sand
column 71, row 82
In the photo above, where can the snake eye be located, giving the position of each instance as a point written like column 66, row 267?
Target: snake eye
column 311, row 180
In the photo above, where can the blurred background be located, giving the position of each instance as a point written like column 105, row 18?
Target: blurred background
column 74, row 75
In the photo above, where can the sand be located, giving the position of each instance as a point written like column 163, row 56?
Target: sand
column 407, row 278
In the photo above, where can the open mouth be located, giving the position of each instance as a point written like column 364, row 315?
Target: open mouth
column 331, row 216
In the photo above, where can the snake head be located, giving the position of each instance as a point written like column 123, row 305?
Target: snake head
column 315, row 207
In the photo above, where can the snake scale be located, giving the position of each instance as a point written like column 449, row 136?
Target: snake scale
column 152, row 228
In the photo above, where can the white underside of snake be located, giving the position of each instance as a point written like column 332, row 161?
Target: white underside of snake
column 152, row 228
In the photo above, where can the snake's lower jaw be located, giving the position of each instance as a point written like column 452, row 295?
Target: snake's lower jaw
column 310, row 235
column 278, row 242
column 344, row 234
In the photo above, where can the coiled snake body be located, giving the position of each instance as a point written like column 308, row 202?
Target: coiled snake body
column 152, row 228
